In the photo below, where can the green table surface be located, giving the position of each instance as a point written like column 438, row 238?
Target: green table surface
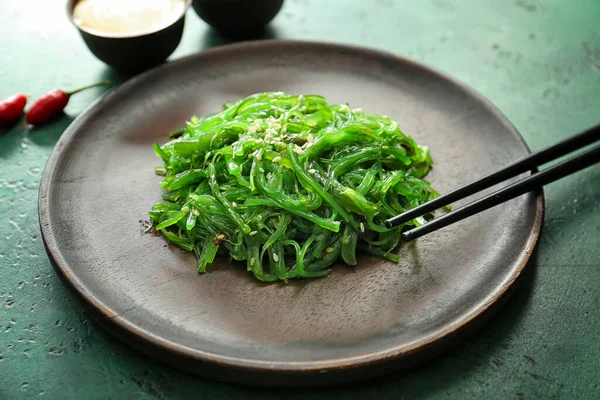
column 538, row 61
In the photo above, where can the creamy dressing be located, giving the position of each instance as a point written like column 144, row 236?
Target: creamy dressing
column 126, row 17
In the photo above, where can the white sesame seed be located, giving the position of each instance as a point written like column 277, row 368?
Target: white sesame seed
column 271, row 131
column 195, row 212
column 252, row 261
column 357, row 110
column 259, row 140
column 329, row 250
column 273, row 100
column 185, row 209
column 312, row 171
column 298, row 150
column 385, row 147
column 301, row 97
column 275, row 257
column 253, row 233
column 249, row 119
column 263, row 113
column 284, row 129
column 233, row 204
column 220, row 236
column 259, row 218
column 362, row 227
column 277, row 159
column 259, row 156
column 261, row 169
column 303, row 108
column 251, row 129
column 308, row 145
column 310, row 137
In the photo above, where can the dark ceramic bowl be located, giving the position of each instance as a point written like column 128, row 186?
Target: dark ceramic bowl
column 237, row 18
column 136, row 52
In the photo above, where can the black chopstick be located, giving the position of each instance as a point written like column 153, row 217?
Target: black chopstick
column 518, row 167
column 528, row 184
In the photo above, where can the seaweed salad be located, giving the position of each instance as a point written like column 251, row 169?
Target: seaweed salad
column 289, row 184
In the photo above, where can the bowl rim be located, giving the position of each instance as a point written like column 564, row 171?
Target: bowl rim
column 94, row 32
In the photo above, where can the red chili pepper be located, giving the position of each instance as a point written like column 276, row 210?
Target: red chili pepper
column 11, row 108
column 51, row 104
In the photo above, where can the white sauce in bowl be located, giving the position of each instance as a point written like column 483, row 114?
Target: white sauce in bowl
column 123, row 18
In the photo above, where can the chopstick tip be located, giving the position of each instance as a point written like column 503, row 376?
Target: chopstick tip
column 406, row 236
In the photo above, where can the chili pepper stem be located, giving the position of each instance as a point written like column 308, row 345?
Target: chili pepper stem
column 103, row 83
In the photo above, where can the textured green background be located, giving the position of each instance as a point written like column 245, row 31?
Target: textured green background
column 539, row 61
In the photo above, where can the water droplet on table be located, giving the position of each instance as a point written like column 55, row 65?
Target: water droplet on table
column 56, row 351
column 34, row 171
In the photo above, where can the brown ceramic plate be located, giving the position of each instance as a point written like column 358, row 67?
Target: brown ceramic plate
column 354, row 324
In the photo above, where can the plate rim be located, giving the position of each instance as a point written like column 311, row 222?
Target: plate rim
column 123, row 325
